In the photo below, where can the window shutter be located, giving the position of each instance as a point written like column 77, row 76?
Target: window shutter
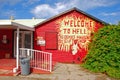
column 51, row 40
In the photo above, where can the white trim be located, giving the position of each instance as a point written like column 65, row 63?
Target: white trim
column 17, row 52
column 16, row 45
column 23, row 26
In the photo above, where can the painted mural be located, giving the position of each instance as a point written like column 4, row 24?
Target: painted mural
column 74, row 33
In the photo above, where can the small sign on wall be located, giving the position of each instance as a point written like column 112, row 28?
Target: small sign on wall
column 40, row 41
column 4, row 40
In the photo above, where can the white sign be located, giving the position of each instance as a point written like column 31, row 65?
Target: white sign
column 41, row 42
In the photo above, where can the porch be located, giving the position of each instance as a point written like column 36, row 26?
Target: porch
column 40, row 62
column 11, row 39
column 16, row 34
column 7, row 65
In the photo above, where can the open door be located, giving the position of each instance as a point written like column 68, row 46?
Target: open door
column 25, row 40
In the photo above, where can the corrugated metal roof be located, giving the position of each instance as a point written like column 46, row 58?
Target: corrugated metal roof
column 26, row 22
column 29, row 22
column 5, row 22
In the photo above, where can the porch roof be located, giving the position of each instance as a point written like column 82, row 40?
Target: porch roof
column 27, row 24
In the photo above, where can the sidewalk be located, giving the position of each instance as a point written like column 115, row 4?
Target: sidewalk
column 69, row 72
column 63, row 71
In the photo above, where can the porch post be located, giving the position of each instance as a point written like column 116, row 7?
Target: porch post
column 17, row 49
column 17, row 52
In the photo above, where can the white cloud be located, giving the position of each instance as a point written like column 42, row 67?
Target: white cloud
column 9, row 13
column 47, row 10
column 4, row 3
column 110, row 14
column 43, row 10
column 30, row 2
column 10, row 2
column 89, row 4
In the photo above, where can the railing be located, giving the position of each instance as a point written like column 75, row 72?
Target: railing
column 38, row 59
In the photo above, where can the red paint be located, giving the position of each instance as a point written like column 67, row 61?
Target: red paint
column 6, row 48
column 6, row 69
column 68, row 26
column 51, row 39
column 11, row 63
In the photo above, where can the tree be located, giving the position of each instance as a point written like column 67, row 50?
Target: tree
column 118, row 23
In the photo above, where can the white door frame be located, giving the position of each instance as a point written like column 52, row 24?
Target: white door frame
column 23, row 39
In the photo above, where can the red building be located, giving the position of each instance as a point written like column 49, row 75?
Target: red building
column 57, row 34
column 65, row 35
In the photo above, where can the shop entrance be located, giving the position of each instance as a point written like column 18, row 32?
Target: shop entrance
column 25, row 40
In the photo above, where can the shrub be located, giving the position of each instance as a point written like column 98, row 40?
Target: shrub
column 104, row 51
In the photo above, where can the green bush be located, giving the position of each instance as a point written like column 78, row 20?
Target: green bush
column 104, row 51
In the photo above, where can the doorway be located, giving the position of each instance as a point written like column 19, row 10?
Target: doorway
column 25, row 40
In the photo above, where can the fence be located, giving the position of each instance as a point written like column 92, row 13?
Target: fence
column 38, row 59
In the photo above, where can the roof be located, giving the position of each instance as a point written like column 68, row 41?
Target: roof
column 5, row 22
column 73, row 9
column 29, row 24
column 22, row 23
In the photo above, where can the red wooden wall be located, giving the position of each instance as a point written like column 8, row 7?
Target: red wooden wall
column 69, row 27
column 6, row 48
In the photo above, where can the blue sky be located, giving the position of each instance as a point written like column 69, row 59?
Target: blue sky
column 106, row 10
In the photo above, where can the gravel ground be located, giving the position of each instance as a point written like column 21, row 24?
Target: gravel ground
column 63, row 72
